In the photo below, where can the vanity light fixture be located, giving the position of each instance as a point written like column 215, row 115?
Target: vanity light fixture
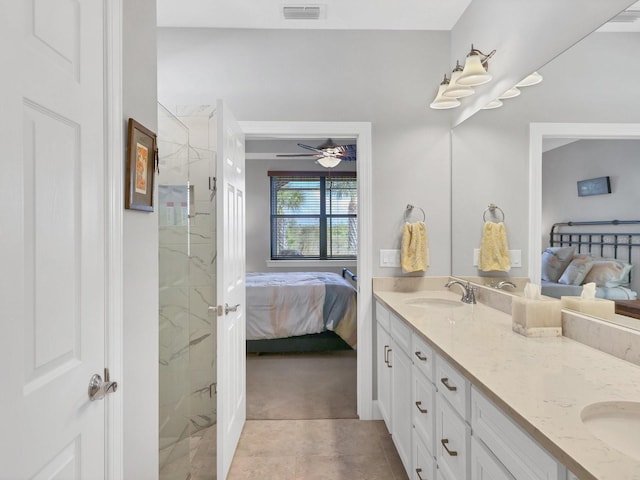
column 511, row 93
column 441, row 102
column 454, row 90
column 532, row 79
column 493, row 104
column 475, row 68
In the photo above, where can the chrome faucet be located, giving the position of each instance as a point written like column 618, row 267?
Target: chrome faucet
column 505, row 283
column 468, row 292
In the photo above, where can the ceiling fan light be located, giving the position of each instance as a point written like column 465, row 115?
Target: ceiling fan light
column 532, row 79
column 443, row 103
column 328, row 161
column 474, row 73
column 512, row 92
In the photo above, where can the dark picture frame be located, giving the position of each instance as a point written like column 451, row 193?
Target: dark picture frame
column 141, row 165
column 594, row 186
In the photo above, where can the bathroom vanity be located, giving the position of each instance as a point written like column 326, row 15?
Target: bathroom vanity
column 466, row 398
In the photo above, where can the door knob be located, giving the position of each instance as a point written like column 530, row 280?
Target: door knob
column 98, row 388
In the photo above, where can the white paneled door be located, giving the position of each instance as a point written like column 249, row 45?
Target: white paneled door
column 52, row 231
column 231, row 317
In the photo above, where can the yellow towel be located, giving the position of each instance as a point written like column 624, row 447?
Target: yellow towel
column 413, row 251
column 494, row 251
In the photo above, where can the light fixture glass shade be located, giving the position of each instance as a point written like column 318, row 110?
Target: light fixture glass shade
column 329, row 161
column 492, row 104
column 512, row 92
column 532, row 79
column 454, row 90
column 473, row 73
column 441, row 102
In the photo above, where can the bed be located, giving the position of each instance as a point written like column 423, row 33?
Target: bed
column 591, row 251
column 300, row 312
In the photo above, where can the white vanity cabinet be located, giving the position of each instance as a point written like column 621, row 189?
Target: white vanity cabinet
column 393, row 367
column 513, row 448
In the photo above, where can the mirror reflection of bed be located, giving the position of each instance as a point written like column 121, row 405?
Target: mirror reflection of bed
column 600, row 252
column 301, row 340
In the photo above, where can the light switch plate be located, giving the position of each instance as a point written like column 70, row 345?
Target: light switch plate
column 389, row 258
column 514, row 255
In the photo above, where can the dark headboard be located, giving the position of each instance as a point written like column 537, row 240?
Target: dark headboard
column 609, row 238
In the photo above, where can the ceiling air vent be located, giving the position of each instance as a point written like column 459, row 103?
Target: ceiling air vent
column 304, row 12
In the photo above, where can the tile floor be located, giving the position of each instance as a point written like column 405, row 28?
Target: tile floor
column 341, row 449
column 333, row 449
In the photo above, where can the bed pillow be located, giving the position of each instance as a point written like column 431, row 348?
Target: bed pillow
column 608, row 272
column 577, row 270
column 554, row 261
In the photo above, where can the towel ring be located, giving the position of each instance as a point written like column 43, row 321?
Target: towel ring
column 409, row 210
column 492, row 208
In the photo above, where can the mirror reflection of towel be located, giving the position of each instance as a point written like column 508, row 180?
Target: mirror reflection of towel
column 413, row 250
column 494, row 251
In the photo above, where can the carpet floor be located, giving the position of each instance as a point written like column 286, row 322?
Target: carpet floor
column 301, row 386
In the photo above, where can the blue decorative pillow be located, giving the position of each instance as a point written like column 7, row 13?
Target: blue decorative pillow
column 576, row 270
column 554, row 262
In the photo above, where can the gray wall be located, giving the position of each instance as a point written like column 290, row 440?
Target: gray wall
column 139, row 386
column 490, row 151
column 258, row 212
column 387, row 78
column 564, row 166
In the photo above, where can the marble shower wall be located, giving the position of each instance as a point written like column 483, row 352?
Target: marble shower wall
column 174, row 296
column 202, row 267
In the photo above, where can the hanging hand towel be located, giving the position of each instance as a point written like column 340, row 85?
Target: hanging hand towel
column 413, row 251
column 494, row 251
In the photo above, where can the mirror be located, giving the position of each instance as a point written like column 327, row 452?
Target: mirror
column 491, row 150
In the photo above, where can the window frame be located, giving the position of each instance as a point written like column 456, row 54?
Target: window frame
column 323, row 217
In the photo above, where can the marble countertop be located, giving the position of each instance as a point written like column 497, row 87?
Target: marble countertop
column 541, row 383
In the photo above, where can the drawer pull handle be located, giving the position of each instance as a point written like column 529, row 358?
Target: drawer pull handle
column 386, row 354
column 389, row 361
column 445, row 382
column 444, row 442
column 418, row 472
column 421, row 356
column 422, row 410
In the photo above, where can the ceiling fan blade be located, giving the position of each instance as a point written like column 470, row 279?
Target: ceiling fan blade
column 317, row 150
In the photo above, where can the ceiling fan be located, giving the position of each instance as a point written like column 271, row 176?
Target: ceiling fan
column 328, row 154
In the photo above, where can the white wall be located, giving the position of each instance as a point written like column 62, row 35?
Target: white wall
column 258, row 213
column 139, row 386
column 490, row 151
column 387, row 78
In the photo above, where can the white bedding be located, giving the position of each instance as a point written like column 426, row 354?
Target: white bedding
column 290, row 304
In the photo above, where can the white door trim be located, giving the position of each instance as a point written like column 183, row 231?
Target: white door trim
column 114, row 161
column 537, row 133
column 361, row 131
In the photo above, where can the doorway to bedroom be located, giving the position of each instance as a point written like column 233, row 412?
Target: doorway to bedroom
column 301, row 260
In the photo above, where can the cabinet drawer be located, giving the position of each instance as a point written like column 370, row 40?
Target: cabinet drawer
column 484, row 466
column 401, row 333
column 452, row 441
column 422, row 356
column 423, row 402
column 453, row 386
column 382, row 316
column 424, row 465
column 513, row 447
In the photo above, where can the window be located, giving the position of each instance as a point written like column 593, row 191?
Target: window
column 314, row 215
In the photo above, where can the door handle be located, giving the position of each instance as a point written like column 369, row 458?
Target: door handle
column 228, row 309
column 98, row 388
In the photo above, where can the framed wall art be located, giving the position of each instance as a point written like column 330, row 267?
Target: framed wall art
column 141, row 166
column 594, row 186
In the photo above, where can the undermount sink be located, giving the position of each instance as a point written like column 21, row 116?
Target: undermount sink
column 615, row 423
column 434, row 302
